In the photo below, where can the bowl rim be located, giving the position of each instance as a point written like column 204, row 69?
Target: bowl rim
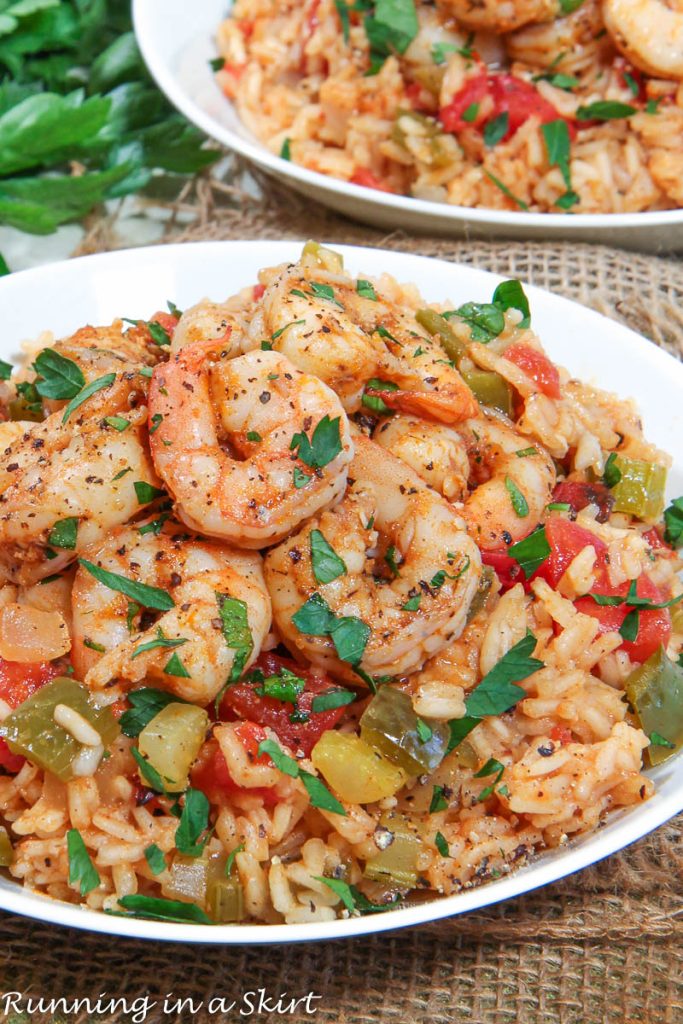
column 622, row 827
column 258, row 153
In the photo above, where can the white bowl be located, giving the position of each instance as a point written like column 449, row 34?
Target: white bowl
column 177, row 41
column 135, row 283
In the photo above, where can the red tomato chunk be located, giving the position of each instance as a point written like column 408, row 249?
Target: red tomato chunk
column 520, row 100
column 537, row 367
column 242, row 701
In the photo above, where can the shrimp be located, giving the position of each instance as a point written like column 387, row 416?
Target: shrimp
column 436, row 452
column 83, row 470
column 258, row 490
column 649, row 33
column 207, row 581
column 499, row 17
column 319, row 320
column 575, row 45
column 407, row 576
column 518, row 481
column 207, row 321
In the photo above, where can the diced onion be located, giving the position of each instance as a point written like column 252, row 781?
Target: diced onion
column 27, row 634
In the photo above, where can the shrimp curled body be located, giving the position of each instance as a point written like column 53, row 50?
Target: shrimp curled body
column 401, row 544
column 222, row 434
column 649, row 33
column 199, row 575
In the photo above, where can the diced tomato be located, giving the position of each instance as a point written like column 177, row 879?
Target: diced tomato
column 246, row 26
column 537, row 367
column 257, row 292
column 19, row 680
column 511, row 95
column 229, row 76
column 168, row 321
column 657, row 542
column 12, row 763
column 210, row 772
column 242, row 701
column 561, row 734
column 506, row 568
column 364, row 176
column 566, row 540
column 654, row 624
column 580, row 493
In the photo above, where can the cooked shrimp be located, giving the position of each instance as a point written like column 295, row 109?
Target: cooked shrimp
column 84, row 469
column 436, row 452
column 257, row 491
column 207, row 321
column 575, row 45
column 318, row 319
column 199, row 575
column 517, row 483
column 649, row 33
column 106, row 348
column 400, row 543
column 499, row 17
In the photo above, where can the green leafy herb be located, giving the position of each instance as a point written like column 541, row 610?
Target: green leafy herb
column 492, row 767
column 506, row 191
column 560, row 81
column 300, row 478
column 63, row 534
column 217, row 63
column 60, row 377
column 652, row 106
column 531, row 552
column 439, row 801
column 117, row 422
column 87, row 392
column 156, row 908
column 318, row 792
column 523, row 453
column 284, row 686
column 496, row 129
column 519, row 503
column 145, row 493
column 611, row 474
column 155, row 859
column 673, row 523
column 5, row 368
column 440, row 53
column 374, row 402
column 315, row 617
column 230, row 862
column 146, row 704
column 337, row 698
column 390, row 559
column 470, row 113
column 194, row 821
column 412, row 604
column 633, row 600
column 366, row 290
column 281, row 331
column 558, row 145
column 160, row 641
column 326, row 563
column 511, row 295
column 324, row 291
column 235, row 625
column 157, row 420
column 630, row 626
column 605, row 110
column 657, row 740
column 484, row 320
column 352, row 898
column 148, row 772
column 286, row 150
column 148, row 597
column 324, row 445
column 154, row 526
column 81, row 868
column 390, row 28
column 349, row 634
column 92, row 646
column 441, row 844
column 559, row 506
column 253, row 435
column 567, row 6
column 424, row 732
column 159, row 334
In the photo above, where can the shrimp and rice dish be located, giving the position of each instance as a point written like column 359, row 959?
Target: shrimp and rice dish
column 562, row 106
column 322, row 600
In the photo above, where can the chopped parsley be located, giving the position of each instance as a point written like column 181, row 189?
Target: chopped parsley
column 59, row 377
column 318, row 792
column 439, row 801
column 63, row 534
column 81, row 868
column 326, row 563
column 496, row 129
column 349, row 634
column 673, row 523
column 146, row 703
column 531, row 552
column 605, row 110
column 353, row 899
column 148, row 597
column 87, row 392
column 323, row 446
column 194, row 822
column 519, row 503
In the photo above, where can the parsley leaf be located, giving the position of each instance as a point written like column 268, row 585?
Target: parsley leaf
column 611, row 473
column 81, row 867
column 519, row 503
column 352, row 898
column 286, row 150
column 531, row 552
column 391, row 28
column 630, row 626
column 441, row 844
column 87, row 392
column 673, row 521
column 657, row 740
column 148, row 597
column 337, row 698
column 155, row 859
column 505, row 190
column 366, row 290
column 511, row 295
column 145, row 493
column 412, row 604
column 174, row 667
column 496, row 129
column 283, row 685
column 484, row 319
column 193, row 822
column 61, row 378
column 318, row 792
column 236, row 631
column 605, row 110
column 492, row 767
column 146, row 703
column 326, row 563
column 299, row 478
column 63, row 534
column 324, row 445
column 156, row 908
column 439, row 801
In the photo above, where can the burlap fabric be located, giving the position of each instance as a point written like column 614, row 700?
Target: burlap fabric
column 601, row 947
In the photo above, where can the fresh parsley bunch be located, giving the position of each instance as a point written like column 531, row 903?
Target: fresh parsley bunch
column 80, row 119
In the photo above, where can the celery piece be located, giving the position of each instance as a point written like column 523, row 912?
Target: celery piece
column 655, row 692
column 490, row 389
column 396, row 864
column 434, row 323
column 390, row 725
column 640, row 490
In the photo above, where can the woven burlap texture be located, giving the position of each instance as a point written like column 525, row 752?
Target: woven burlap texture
column 601, row 947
